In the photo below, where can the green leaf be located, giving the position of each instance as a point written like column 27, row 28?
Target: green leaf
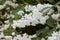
column 44, row 9
column 8, row 31
column 42, row 32
column 52, row 1
column 45, row 32
column 16, row 16
column 16, row 33
column 31, row 1
column 10, row 0
column 51, row 31
column 22, row 7
column 20, row 1
column 10, row 20
column 2, row 1
column 41, row 1
column 38, row 32
column 35, row 38
column 58, row 3
column 51, row 22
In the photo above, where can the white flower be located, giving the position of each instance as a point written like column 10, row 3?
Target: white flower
column 20, row 12
column 32, row 36
column 37, row 15
column 52, row 38
column 40, row 6
column 42, row 39
column 58, row 7
column 43, row 19
column 14, row 5
column 33, row 8
column 35, row 11
column 8, row 2
column 1, row 34
column 56, row 16
column 13, row 26
column 19, row 23
column 58, row 25
column 8, row 37
column 28, row 17
column 7, row 21
column 51, row 11
column 54, row 33
column 27, row 22
column 13, row 33
column 18, row 37
column 2, row 6
column 34, row 22
column 10, row 15
column 48, row 5
column 28, row 7
column 24, row 37
column 11, row 4
column 5, row 26
column 55, row 36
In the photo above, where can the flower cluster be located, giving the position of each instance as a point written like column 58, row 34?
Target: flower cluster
column 8, row 3
column 32, row 15
column 18, row 37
